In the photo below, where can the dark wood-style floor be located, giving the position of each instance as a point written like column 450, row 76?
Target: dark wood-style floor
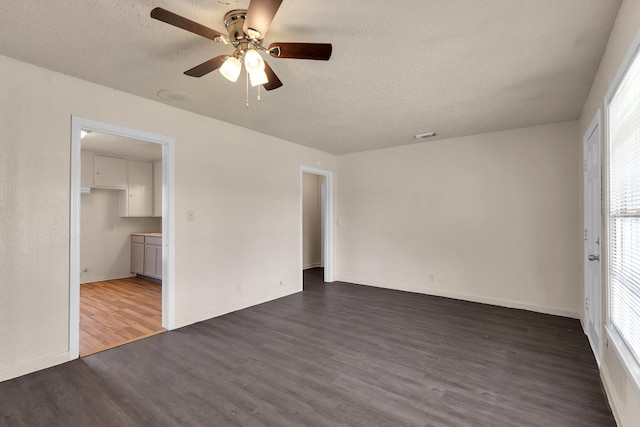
column 334, row 355
column 116, row 312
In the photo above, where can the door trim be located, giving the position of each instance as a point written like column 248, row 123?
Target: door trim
column 168, row 222
column 594, row 126
column 327, row 221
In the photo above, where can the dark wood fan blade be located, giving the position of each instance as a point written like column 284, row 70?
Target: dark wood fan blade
column 186, row 24
column 274, row 82
column 207, row 67
column 318, row 51
column 259, row 16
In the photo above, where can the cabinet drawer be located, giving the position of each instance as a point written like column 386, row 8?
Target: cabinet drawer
column 153, row 240
column 137, row 239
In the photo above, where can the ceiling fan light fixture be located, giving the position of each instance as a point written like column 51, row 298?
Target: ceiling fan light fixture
column 258, row 78
column 231, row 69
column 253, row 61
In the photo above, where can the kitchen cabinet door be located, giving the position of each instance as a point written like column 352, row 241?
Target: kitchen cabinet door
column 86, row 169
column 153, row 257
column 150, row 258
column 140, row 189
column 159, row 263
column 137, row 256
column 109, row 172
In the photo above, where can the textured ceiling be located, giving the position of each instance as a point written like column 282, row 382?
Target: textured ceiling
column 118, row 146
column 457, row 67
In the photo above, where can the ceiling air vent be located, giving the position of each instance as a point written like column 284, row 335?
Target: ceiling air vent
column 425, row 135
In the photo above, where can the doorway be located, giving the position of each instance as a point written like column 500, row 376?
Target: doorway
column 592, row 223
column 313, row 188
column 316, row 246
column 108, row 188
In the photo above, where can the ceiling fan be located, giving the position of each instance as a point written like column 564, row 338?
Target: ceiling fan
column 246, row 30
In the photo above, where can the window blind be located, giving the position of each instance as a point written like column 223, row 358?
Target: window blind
column 624, row 208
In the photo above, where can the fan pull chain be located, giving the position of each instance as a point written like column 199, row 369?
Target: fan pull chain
column 247, row 74
column 259, row 99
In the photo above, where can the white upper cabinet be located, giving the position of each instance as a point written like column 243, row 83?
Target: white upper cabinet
column 139, row 194
column 140, row 182
column 86, row 170
column 109, row 172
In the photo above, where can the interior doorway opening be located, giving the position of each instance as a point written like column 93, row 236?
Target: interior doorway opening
column 313, row 190
column 112, row 204
column 316, row 221
column 120, row 210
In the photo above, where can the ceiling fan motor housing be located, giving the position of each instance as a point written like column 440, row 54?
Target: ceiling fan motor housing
column 234, row 21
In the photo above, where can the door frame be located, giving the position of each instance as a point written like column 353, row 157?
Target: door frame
column 326, row 218
column 168, row 222
column 594, row 127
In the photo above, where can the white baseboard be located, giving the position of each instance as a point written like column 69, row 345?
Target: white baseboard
column 32, row 366
column 105, row 278
column 564, row 312
column 219, row 311
column 312, row 265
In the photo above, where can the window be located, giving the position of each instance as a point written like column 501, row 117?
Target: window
column 623, row 219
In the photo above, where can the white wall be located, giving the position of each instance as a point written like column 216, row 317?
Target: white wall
column 490, row 218
column 243, row 186
column 624, row 398
column 495, row 217
column 105, row 244
column 311, row 220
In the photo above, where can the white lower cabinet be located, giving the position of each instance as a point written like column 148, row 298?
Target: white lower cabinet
column 137, row 254
column 146, row 255
column 153, row 257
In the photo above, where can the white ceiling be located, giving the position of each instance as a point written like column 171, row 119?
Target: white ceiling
column 119, row 146
column 457, row 67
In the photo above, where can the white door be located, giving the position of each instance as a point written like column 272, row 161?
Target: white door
column 592, row 270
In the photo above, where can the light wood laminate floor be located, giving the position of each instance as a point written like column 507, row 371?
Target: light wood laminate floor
column 334, row 355
column 116, row 312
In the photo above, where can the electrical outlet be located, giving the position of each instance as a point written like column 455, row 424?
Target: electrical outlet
column 191, row 216
column 281, row 283
column 440, row 278
column 432, row 277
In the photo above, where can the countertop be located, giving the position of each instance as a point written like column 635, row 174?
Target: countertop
column 147, row 233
